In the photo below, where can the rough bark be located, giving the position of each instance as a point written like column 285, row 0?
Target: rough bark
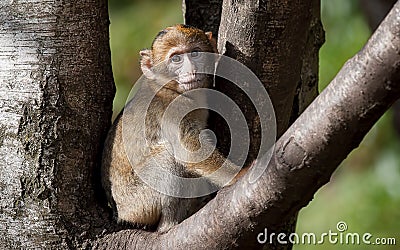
column 305, row 156
column 56, row 91
column 307, row 86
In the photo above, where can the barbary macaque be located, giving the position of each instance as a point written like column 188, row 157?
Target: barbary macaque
column 151, row 137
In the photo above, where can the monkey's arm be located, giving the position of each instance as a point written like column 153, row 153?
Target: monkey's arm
column 218, row 169
column 215, row 167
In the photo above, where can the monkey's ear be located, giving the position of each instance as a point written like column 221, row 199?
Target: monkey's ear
column 146, row 64
column 212, row 41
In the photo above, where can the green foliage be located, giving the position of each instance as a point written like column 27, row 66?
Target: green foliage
column 346, row 33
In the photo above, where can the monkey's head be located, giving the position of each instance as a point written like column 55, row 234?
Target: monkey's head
column 176, row 54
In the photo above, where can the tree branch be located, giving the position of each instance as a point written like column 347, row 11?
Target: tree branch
column 375, row 11
column 305, row 156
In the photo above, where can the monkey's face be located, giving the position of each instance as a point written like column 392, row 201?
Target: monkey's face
column 176, row 58
column 186, row 69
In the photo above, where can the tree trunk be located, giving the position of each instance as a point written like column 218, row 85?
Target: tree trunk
column 204, row 14
column 56, row 92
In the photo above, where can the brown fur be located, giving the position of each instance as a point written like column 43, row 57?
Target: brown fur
column 134, row 201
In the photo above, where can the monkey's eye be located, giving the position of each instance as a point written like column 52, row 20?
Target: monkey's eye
column 176, row 58
column 194, row 53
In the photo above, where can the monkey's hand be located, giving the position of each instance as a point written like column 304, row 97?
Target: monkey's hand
column 202, row 158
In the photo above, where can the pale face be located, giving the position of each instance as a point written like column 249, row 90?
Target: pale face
column 177, row 59
column 185, row 65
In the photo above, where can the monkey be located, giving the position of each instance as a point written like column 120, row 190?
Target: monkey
column 135, row 151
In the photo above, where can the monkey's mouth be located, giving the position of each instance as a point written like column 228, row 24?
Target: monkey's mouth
column 191, row 85
column 191, row 81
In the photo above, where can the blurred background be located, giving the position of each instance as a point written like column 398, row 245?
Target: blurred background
column 365, row 190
